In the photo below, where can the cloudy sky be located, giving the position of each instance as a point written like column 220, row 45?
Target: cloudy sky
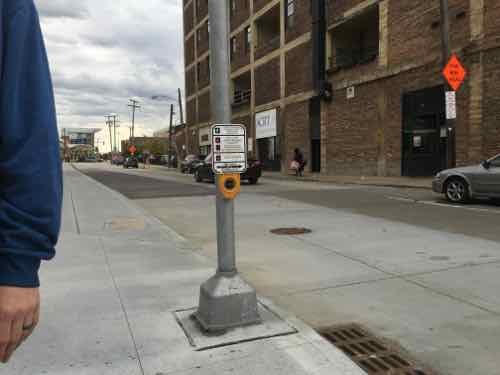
column 104, row 52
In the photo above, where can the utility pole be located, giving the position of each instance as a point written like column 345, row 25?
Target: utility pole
column 446, row 54
column 109, row 123
column 170, row 136
column 134, row 104
column 226, row 300
column 113, row 122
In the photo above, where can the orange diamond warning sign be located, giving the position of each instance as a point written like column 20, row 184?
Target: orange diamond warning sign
column 455, row 73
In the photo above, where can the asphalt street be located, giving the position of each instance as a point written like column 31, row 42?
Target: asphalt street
column 401, row 262
column 418, row 207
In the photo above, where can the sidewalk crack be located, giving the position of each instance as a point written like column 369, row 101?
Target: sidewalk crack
column 122, row 304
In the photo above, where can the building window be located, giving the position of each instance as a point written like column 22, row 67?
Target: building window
column 198, row 71
column 248, row 38
column 233, row 7
column 290, row 12
column 356, row 41
column 233, row 47
column 198, row 35
column 208, row 67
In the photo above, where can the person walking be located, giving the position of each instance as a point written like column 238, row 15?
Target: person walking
column 30, row 171
column 299, row 162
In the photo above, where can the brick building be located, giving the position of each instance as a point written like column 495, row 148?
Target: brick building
column 355, row 84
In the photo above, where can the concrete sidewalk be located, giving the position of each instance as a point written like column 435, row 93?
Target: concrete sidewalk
column 109, row 298
column 398, row 182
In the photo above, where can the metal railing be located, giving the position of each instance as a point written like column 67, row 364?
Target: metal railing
column 241, row 97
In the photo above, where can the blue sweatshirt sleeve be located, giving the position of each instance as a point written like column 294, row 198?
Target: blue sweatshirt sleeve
column 30, row 167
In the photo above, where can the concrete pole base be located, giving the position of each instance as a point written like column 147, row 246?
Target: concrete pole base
column 227, row 301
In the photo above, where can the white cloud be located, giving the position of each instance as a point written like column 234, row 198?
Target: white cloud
column 104, row 52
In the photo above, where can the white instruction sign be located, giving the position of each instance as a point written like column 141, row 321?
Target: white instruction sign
column 451, row 105
column 229, row 148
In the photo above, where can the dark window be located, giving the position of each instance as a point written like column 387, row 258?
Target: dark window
column 233, row 7
column 198, row 71
column 208, row 66
column 356, row 41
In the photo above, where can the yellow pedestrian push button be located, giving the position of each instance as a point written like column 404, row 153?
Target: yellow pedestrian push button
column 229, row 185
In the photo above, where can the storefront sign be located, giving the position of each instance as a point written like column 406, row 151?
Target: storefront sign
column 266, row 124
column 229, row 146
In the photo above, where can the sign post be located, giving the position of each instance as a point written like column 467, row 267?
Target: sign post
column 226, row 300
column 454, row 74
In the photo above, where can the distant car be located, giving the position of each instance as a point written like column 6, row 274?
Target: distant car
column 164, row 160
column 203, row 171
column 131, row 162
column 189, row 164
column 91, row 159
column 117, row 159
column 459, row 185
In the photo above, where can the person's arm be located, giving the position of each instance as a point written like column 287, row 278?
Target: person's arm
column 30, row 172
column 30, row 168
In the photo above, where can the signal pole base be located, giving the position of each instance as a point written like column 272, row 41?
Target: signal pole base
column 227, row 301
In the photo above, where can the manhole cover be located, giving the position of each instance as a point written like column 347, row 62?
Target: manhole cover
column 373, row 355
column 290, row 231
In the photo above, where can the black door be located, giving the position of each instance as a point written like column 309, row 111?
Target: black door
column 423, row 118
column 269, row 153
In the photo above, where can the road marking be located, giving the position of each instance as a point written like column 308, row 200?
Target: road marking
column 449, row 205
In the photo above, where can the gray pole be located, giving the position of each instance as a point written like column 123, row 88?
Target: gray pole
column 181, row 110
column 108, row 122
column 226, row 300
column 446, row 54
column 221, row 111
column 170, row 136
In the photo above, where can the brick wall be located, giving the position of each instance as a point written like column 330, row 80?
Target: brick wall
column 301, row 20
column 299, row 69
column 242, row 56
column 191, row 117
column 188, row 19
column 204, row 109
column 202, row 38
column 201, row 10
column 259, row 4
column 204, row 73
column 241, row 13
column 191, row 81
column 267, row 82
column 491, row 103
column 337, row 8
column 296, row 127
column 189, row 51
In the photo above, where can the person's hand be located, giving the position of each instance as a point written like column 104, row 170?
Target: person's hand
column 19, row 314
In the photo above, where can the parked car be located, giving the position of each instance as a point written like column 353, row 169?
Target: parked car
column 203, row 171
column 459, row 185
column 189, row 164
column 117, row 159
column 131, row 162
column 164, row 160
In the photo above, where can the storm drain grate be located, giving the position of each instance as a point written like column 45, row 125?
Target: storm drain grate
column 372, row 354
column 290, row 231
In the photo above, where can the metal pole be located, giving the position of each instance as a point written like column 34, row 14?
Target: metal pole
column 226, row 300
column 170, row 136
column 114, row 129
column 446, row 54
column 181, row 110
column 221, row 110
